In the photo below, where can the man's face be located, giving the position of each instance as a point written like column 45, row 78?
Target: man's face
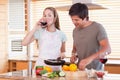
column 78, row 22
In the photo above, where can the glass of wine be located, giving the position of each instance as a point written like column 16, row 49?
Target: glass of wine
column 103, row 58
column 43, row 22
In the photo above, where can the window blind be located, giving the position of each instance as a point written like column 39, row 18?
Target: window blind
column 16, row 15
column 109, row 18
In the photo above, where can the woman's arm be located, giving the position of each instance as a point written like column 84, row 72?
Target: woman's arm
column 63, row 47
column 28, row 38
column 63, row 50
column 30, row 35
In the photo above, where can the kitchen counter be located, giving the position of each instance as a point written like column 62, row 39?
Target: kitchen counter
column 78, row 75
column 22, row 75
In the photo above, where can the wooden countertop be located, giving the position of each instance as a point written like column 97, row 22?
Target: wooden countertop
column 22, row 75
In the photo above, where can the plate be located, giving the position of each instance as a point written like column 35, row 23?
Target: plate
column 54, row 62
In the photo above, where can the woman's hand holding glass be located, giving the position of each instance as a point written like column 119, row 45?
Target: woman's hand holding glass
column 41, row 23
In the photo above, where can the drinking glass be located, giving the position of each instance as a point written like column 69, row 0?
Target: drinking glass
column 103, row 58
column 43, row 22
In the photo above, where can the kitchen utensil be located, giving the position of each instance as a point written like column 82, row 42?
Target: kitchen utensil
column 54, row 62
column 59, row 58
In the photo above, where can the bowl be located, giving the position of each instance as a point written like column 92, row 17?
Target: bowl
column 54, row 62
column 100, row 74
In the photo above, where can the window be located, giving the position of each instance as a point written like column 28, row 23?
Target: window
column 16, row 15
column 16, row 28
column 110, row 18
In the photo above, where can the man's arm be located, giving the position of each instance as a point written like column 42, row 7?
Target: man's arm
column 105, row 47
column 73, row 57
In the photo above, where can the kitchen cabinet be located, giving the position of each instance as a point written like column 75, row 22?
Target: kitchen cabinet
column 15, row 65
column 113, row 68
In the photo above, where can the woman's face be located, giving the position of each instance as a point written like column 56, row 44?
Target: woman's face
column 49, row 16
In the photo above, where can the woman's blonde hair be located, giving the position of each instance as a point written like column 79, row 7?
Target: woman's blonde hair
column 57, row 25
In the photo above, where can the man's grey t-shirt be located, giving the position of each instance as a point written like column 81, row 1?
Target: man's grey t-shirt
column 87, row 40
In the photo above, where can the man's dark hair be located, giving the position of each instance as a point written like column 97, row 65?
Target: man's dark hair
column 79, row 9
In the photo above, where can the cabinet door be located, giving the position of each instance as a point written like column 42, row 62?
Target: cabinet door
column 112, row 68
column 20, row 65
column 12, row 66
column 15, row 65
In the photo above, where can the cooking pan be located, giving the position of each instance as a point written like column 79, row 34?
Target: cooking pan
column 54, row 62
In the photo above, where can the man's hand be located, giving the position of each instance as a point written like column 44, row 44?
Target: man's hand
column 83, row 63
column 73, row 58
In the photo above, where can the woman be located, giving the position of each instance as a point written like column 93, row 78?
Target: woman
column 51, row 40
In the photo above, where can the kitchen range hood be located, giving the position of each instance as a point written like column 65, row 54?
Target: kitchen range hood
column 91, row 6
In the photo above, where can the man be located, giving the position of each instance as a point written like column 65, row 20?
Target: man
column 89, row 39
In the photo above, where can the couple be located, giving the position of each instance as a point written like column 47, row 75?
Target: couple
column 90, row 38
